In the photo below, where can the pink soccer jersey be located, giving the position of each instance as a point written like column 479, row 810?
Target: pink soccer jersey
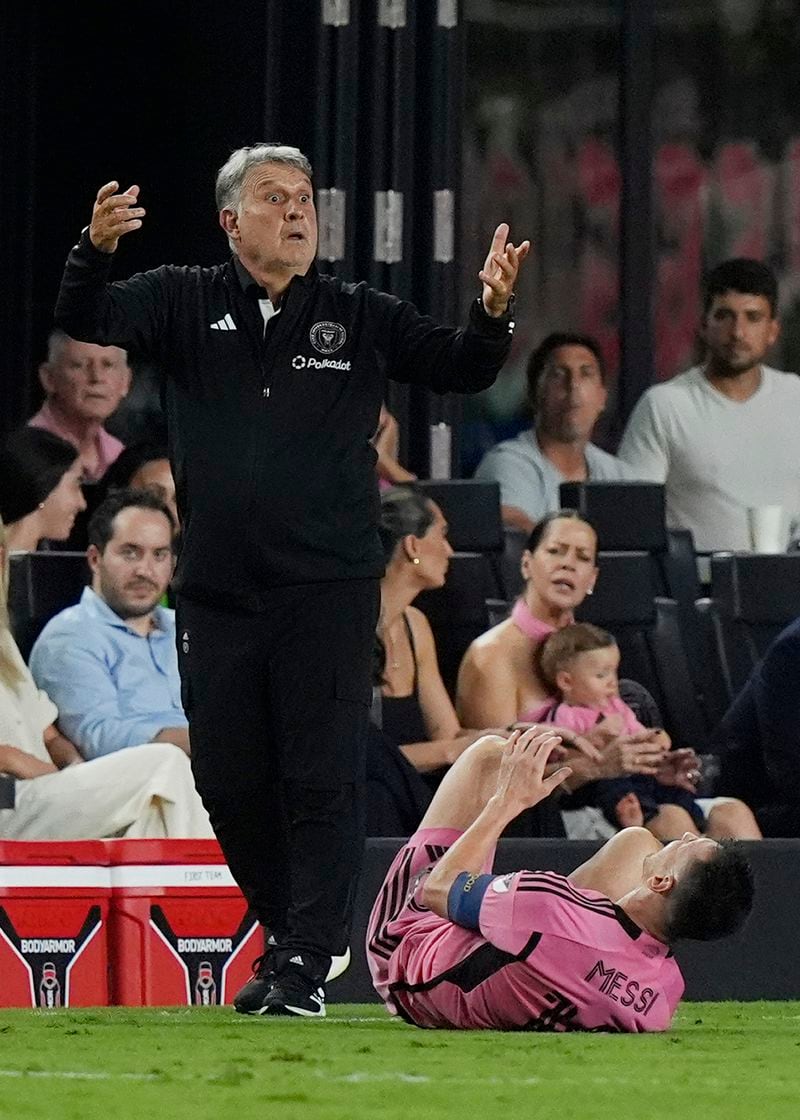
column 548, row 955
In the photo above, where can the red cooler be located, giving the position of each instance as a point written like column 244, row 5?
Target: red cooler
column 179, row 928
column 54, row 902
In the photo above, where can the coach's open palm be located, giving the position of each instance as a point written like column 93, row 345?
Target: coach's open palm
column 113, row 215
column 520, row 781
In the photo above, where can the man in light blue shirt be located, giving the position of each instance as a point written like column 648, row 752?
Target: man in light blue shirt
column 110, row 663
column 566, row 392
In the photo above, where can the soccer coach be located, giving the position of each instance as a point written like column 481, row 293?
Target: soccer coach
column 273, row 381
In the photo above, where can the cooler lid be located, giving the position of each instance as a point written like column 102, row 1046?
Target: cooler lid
column 121, row 852
column 53, row 853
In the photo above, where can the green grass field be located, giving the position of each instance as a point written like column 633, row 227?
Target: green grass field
column 720, row 1060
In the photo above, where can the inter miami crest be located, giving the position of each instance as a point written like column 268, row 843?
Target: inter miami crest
column 49, row 960
column 327, row 338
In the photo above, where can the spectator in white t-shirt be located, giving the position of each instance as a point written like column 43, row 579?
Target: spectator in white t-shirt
column 566, row 393
column 722, row 437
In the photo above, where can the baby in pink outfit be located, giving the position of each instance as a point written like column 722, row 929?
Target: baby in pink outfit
column 580, row 663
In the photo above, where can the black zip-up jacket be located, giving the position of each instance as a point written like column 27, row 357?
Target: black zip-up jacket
column 270, row 429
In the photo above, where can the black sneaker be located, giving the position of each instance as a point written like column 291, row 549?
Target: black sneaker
column 249, row 1000
column 295, row 992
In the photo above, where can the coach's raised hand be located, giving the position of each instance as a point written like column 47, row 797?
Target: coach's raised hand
column 500, row 270
column 114, row 215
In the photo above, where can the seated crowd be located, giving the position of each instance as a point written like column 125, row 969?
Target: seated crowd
column 94, row 728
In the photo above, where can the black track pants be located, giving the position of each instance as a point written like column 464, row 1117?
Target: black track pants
column 278, row 707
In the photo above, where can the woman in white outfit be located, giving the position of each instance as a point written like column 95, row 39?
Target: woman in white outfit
column 144, row 791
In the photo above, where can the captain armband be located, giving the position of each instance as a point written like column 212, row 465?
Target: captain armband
column 465, row 897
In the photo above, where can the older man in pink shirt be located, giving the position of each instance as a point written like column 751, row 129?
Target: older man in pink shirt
column 84, row 384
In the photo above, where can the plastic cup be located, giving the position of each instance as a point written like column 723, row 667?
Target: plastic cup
column 769, row 528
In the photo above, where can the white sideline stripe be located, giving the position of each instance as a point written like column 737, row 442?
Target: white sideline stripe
column 172, row 875
column 78, row 1075
column 363, row 1078
column 55, row 876
column 357, row 1077
column 331, row 1022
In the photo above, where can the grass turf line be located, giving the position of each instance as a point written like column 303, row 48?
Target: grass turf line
column 726, row 1060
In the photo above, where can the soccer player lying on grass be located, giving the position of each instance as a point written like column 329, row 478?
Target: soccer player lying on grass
column 450, row 944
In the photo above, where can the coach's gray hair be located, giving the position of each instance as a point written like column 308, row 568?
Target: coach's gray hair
column 231, row 175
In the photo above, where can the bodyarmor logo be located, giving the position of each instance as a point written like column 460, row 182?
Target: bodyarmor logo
column 327, row 337
column 49, row 987
column 204, row 960
column 49, row 960
column 205, row 989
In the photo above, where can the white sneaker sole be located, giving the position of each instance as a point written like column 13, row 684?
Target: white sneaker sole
column 338, row 965
column 306, row 1014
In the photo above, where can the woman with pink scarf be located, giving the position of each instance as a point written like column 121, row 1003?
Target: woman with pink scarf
column 499, row 683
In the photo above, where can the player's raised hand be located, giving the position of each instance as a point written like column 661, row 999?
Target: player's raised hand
column 520, row 781
column 113, row 215
column 500, row 270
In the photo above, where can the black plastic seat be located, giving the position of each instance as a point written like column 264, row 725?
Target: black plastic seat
column 755, row 596
column 40, row 585
column 472, row 511
column 627, row 516
column 514, row 544
column 457, row 611
column 647, row 628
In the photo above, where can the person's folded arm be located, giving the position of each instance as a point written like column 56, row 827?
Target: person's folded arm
column 62, row 751
column 20, row 764
column 90, row 712
column 178, row 736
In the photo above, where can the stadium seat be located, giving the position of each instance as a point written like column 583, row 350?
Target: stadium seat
column 713, row 678
column 630, row 516
column 514, row 542
column 457, row 611
column 754, row 597
column 40, row 585
column 646, row 626
column 678, row 570
column 497, row 610
column 472, row 511
column 627, row 516
column 7, row 791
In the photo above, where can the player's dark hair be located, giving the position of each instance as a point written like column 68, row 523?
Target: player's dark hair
column 541, row 355
column 713, row 899
column 101, row 525
column 539, row 531
column 560, row 649
column 745, row 276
